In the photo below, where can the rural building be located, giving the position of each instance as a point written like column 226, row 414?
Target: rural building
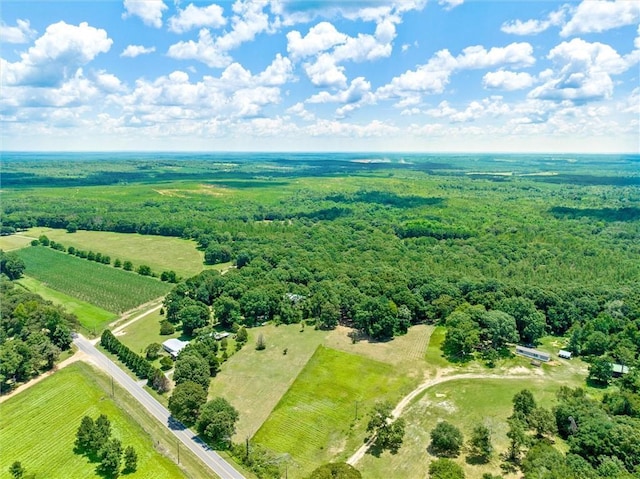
column 564, row 354
column 532, row 353
column 173, row 346
column 619, row 370
column 219, row 336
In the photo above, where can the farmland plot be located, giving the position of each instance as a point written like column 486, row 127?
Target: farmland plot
column 38, row 427
column 109, row 288
column 315, row 420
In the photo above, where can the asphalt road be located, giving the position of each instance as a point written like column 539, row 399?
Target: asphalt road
column 187, row 437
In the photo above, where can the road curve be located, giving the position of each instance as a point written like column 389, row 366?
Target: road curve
column 187, row 437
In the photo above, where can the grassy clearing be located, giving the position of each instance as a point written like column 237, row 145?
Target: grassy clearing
column 184, row 258
column 104, row 286
column 92, row 318
column 8, row 243
column 410, row 347
column 138, row 335
column 254, row 381
column 38, row 426
column 434, row 355
column 464, row 403
column 315, row 421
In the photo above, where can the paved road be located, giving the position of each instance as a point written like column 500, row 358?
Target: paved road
column 218, row 465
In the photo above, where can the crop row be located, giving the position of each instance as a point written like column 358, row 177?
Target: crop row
column 111, row 289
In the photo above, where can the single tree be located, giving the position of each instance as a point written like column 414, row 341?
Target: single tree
column 600, row 371
column 523, row 405
column 127, row 266
column 480, row 442
column 85, row 434
column 130, row 459
column 443, row 468
column 517, row 438
column 242, row 336
column 101, row 433
column 191, row 367
column 217, row 422
column 153, row 351
column 446, row 440
column 110, row 458
column 11, row 265
column 336, row 470
column 144, row 270
column 16, row 470
column 389, row 434
column 117, row 263
column 166, row 328
column 186, row 401
column 166, row 362
column 260, row 343
column 543, row 422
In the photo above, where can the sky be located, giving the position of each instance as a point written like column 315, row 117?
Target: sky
column 284, row 75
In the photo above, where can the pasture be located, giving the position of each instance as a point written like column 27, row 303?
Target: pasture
column 108, row 288
column 315, row 422
column 254, row 381
column 90, row 317
column 38, row 427
column 16, row 241
column 463, row 403
column 161, row 253
column 139, row 334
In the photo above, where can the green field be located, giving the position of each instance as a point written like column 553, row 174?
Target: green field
column 108, row 288
column 254, row 381
column 38, row 426
column 138, row 335
column 463, row 403
column 315, row 420
column 9, row 243
column 90, row 317
column 161, row 253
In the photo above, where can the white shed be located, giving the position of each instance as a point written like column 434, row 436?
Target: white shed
column 564, row 354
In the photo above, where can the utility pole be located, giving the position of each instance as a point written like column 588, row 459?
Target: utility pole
column 247, row 447
column 178, row 451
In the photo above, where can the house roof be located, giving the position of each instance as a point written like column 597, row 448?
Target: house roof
column 175, row 345
column 531, row 351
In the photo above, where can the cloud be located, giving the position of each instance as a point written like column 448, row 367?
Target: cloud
column 325, row 73
column 299, row 110
column 320, row 38
column 507, row 80
column 56, row 55
column 21, row 33
column 133, row 51
column 248, row 21
column 583, row 74
column 352, row 98
column 197, row 17
column 450, row 4
column 433, row 76
column 533, row 27
column 599, row 16
column 149, row 11
column 205, row 50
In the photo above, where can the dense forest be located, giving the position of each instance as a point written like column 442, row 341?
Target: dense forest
column 500, row 250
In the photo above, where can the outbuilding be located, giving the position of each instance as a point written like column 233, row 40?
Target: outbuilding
column 564, row 354
column 619, row 369
column 173, row 346
column 532, row 354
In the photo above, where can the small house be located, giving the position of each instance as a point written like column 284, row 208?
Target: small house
column 532, row 354
column 564, row 354
column 173, row 346
column 219, row 336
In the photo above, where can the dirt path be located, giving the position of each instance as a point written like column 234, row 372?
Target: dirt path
column 78, row 356
column 439, row 379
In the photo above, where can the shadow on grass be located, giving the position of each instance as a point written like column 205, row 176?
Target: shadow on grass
column 475, row 460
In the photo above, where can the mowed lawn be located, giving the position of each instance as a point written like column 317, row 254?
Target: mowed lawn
column 109, row 288
column 38, row 427
column 254, row 381
column 315, row 420
column 141, row 333
column 161, row 253
column 90, row 317
column 11, row 242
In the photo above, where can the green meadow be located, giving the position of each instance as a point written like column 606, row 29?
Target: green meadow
column 315, row 422
column 160, row 253
column 38, row 427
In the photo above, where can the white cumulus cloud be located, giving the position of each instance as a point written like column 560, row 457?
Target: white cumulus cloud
column 507, row 80
column 205, row 50
column 21, row 33
column 602, row 15
column 56, row 55
column 149, row 11
column 534, row 26
column 325, row 73
column 197, row 17
column 133, row 51
column 583, row 72
column 320, row 38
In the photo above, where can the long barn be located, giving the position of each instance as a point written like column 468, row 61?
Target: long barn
column 532, row 353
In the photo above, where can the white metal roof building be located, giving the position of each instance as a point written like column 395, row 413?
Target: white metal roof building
column 173, row 346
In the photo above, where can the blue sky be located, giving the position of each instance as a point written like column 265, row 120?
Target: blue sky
column 283, row 75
